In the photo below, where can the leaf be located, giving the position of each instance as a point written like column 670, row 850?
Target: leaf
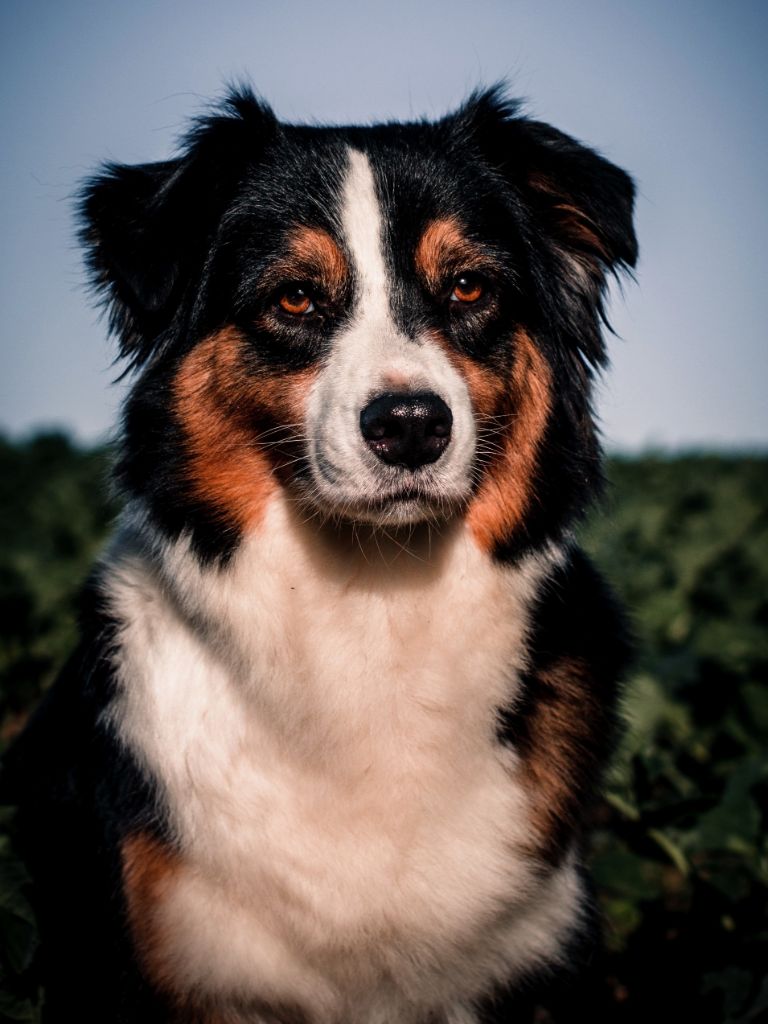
column 735, row 823
column 672, row 850
column 18, row 941
column 734, row 983
column 15, row 1009
column 627, row 875
column 757, row 1009
column 13, row 877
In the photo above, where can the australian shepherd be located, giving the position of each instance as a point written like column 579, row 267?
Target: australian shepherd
column 346, row 684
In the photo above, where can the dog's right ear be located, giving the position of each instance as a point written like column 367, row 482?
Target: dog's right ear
column 147, row 229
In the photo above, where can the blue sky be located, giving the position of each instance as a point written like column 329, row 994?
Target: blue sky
column 673, row 92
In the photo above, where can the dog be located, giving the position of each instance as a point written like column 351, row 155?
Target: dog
column 346, row 684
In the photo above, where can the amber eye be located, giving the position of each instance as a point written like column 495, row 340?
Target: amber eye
column 468, row 288
column 295, row 301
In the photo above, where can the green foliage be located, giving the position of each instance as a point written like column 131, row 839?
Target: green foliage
column 19, row 996
column 54, row 516
column 680, row 853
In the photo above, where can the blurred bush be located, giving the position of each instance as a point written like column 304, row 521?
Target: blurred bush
column 54, row 515
column 680, row 853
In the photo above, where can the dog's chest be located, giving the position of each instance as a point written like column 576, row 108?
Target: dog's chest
column 327, row 750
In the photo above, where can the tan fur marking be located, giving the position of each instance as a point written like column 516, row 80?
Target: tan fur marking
column 487, row 389
column 220, row 404
column 556, row 747
column 314, row 255
column 149, row 868
column 444, row 249
column 575, row 224
column 578, row 228
column 518, row 417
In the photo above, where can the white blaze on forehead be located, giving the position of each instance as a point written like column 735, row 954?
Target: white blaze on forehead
column 370, row 355
column 362, row 226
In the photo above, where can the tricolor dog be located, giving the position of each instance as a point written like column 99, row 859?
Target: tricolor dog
column 346, row 684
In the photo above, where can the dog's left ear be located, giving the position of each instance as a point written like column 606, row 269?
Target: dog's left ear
column 576, row 200
column 585, row 200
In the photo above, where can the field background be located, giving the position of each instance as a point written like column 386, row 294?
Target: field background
column 680, row 853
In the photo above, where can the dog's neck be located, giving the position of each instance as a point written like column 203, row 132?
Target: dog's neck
column 305, row 613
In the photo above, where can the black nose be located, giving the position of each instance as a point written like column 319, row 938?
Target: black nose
column 407, row 429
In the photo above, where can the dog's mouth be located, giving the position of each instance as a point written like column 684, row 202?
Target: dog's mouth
column 404, row 495
column 392, row 503
column 404, row 506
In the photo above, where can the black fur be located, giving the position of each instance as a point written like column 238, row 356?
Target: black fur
column 577, row 618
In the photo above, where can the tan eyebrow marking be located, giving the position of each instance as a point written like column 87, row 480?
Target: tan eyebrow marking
column 444, row 249
column 312, row 253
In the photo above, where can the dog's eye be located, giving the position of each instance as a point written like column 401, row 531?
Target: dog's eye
column 295, row 301
column 468, row 288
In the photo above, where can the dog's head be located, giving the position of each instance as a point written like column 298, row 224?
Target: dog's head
column 392, row 324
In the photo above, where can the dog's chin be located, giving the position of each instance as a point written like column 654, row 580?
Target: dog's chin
column 389, row 510
column 399, row 511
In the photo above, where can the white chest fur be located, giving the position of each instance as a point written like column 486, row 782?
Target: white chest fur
column 322, row 724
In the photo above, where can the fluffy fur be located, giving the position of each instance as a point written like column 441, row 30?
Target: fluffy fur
column 346, row 686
